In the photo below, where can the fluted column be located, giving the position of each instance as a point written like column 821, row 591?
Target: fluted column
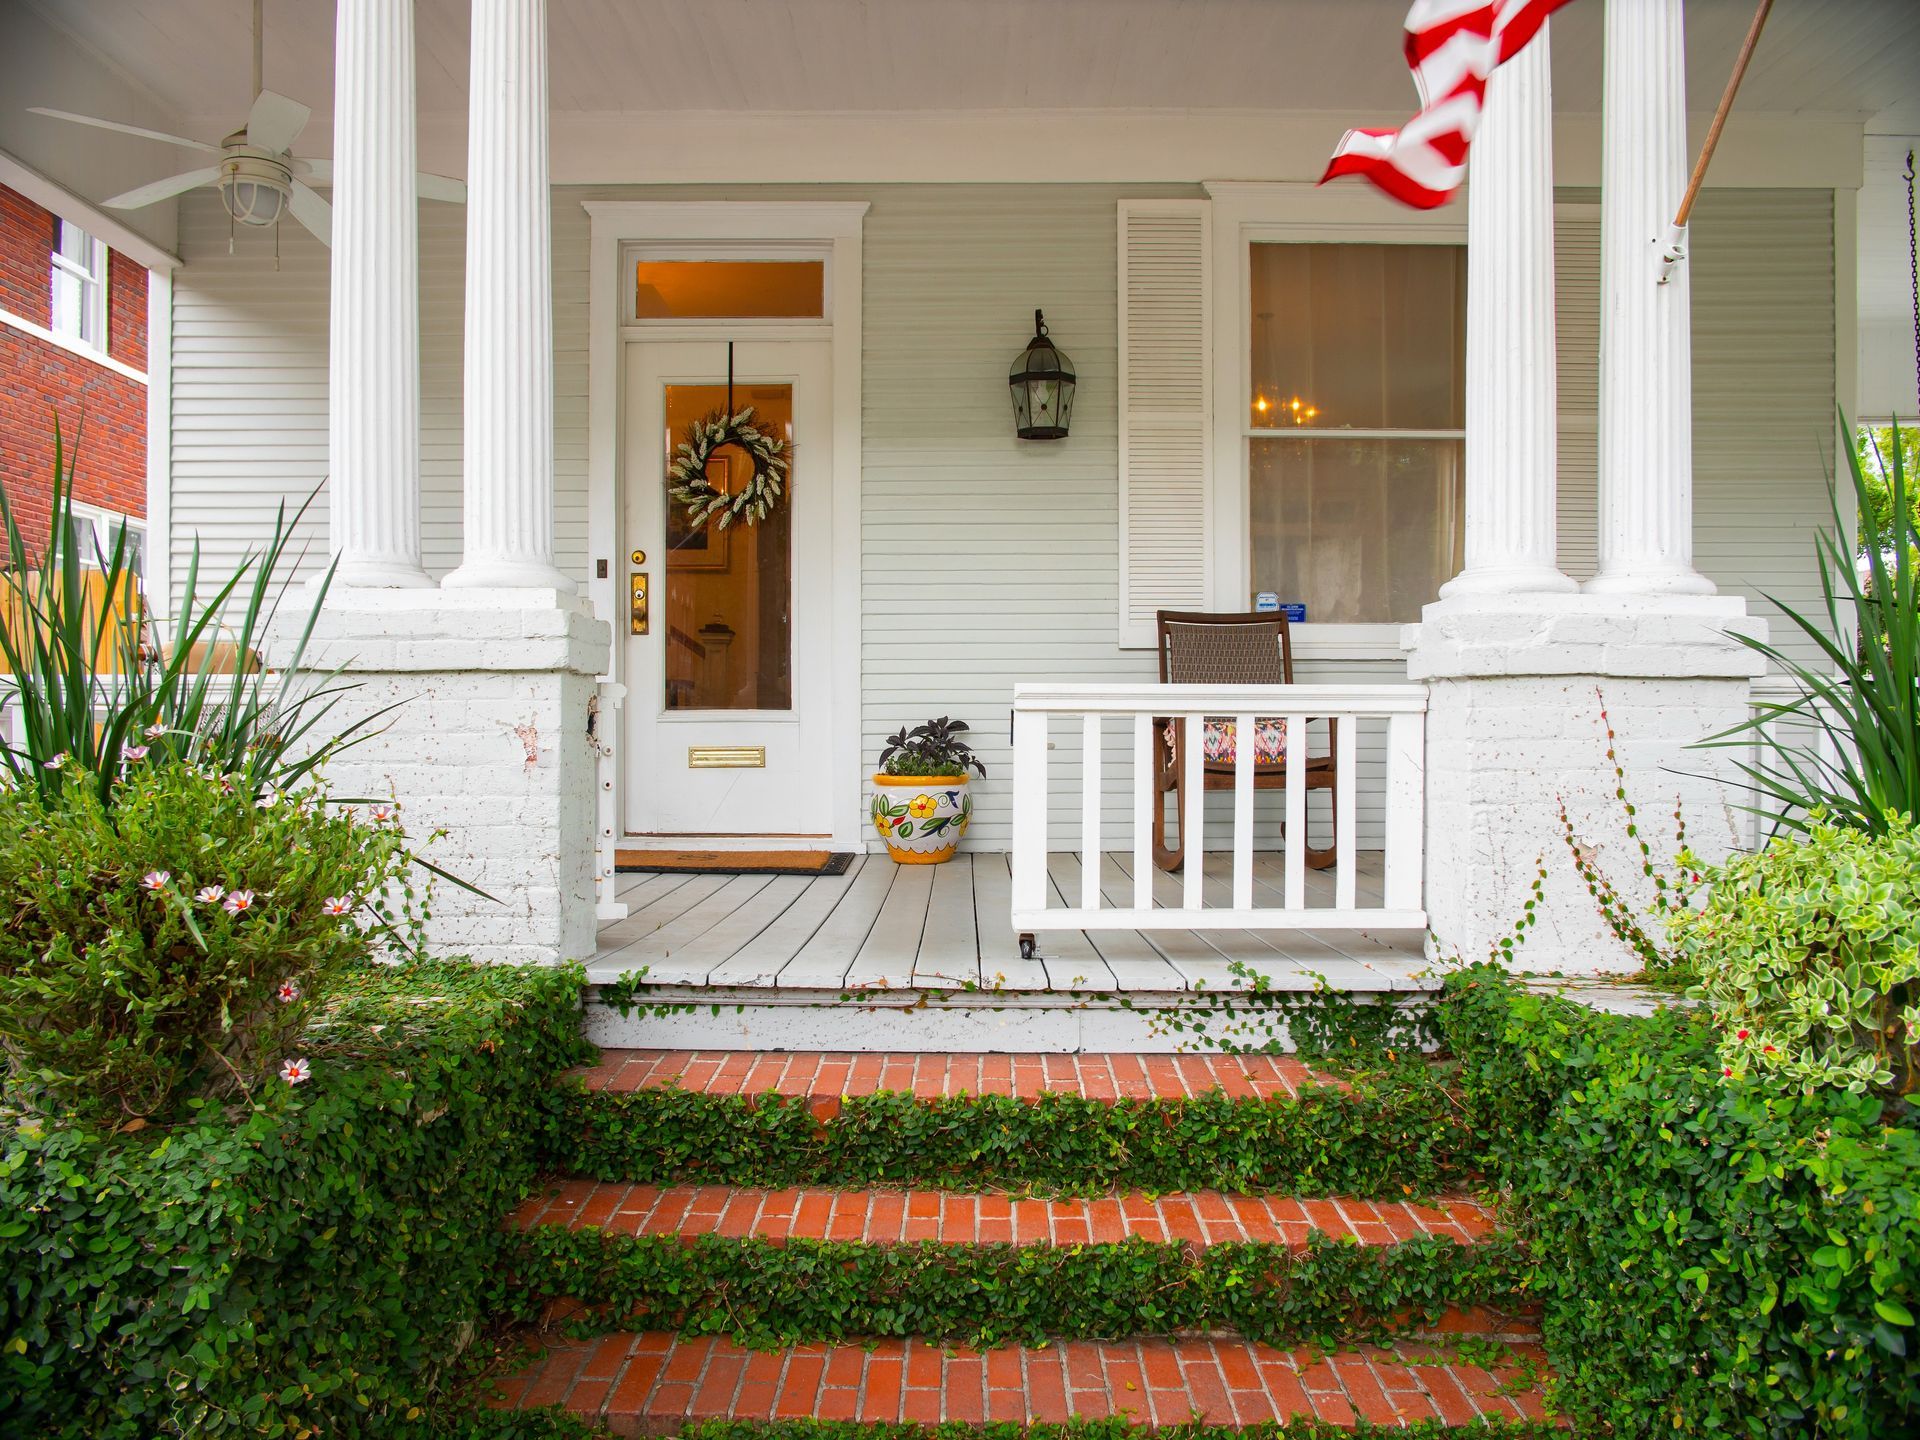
column 1646, row 377
column 1511, row 390
column 508, row 506
column 373, row 360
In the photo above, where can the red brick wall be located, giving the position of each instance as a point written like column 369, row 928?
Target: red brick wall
column 39, row 380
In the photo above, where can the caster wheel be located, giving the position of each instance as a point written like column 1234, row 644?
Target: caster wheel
column 1028, row 947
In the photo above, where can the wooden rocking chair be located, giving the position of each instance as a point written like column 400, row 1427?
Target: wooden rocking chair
column 1227, row 649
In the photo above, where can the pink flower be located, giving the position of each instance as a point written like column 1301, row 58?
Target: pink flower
column 155, row 730
column 135, row 753
column 156, row 879
column 58, row 762
column 266, row 801
column 289, row 992
column 381, row 812
column 1740, row 1034
column 239, row 902
column 337, row 905
column 209, row 894
column 295, row 1072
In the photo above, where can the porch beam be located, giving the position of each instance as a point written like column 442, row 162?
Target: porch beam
column 1511, row 533
column 1646, row 380
column 373, row 359
column 508, row 436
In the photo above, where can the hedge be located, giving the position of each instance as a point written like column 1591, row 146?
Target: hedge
column 310, row 1266
column 1714, row 1256
column 1371, row 1140
column 768, row 1294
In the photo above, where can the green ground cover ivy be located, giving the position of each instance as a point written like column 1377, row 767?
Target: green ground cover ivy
column 309, row 1265
column 1714, row 1256
column 1371, row 1140
column 769, row 1294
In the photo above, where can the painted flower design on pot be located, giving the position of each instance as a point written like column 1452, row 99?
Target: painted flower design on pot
column 923, row 807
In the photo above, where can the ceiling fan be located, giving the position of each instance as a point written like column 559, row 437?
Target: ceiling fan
column 257, row 176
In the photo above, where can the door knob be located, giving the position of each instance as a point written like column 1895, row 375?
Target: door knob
column 637, row 603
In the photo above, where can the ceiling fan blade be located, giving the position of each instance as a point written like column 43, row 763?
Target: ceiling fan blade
column 441, row 187
column 311, row 211
column 99, row 124
column 320, row 171
column 163, row 189
column 274, row 121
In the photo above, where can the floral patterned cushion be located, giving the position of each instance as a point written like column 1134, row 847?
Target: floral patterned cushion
column 1219, row 743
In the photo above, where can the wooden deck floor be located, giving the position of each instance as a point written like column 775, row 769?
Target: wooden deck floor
column 946, row 927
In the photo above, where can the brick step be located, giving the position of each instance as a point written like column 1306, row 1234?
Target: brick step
column 652, row 1383
column 826, row 1076
column 887, row 1216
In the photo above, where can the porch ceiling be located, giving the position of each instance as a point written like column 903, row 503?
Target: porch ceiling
column 1832, row 58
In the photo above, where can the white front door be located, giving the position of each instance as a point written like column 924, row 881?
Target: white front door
column 729, row 692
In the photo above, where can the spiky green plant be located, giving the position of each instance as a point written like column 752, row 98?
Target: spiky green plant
column 1847, row 746
column 89, row 679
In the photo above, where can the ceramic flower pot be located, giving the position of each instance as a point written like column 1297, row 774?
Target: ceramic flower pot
column 921, row 817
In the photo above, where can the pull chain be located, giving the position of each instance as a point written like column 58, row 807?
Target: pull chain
column 1913, row 270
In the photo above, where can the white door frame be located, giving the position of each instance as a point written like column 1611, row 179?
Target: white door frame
column 835, row 227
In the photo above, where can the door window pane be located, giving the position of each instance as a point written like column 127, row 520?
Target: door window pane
column 1367, row 337
column 729, row 289
column 1357, row 530
column 728, row 592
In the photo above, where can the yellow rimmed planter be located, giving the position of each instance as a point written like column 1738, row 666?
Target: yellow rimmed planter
column 921, row 817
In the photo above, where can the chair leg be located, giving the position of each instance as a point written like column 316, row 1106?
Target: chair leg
column 1324, row 859
column 1167, row 857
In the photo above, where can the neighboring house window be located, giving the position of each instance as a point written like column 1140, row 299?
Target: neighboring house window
column 1356, row 426
column 79, row 291
column 97, row 531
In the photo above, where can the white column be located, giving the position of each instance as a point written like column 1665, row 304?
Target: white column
column 373, row 362
column 508, row 506
column 1646, row 380
column 1512, row 393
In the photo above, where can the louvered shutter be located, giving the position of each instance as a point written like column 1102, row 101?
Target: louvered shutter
column 1165, row 411
column 1576, row 316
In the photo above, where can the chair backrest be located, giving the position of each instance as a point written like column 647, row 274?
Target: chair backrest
column 1197, row 648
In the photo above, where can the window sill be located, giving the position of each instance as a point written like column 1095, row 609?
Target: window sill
column 70, row 345
column 1373, row 642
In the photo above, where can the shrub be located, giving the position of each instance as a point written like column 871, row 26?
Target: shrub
column 169, row 949
column 95, row 683
column 1712, row 1258
column 311, row 1268
column 1809, row 955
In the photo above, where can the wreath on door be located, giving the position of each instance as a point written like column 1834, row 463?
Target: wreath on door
column 687, row 479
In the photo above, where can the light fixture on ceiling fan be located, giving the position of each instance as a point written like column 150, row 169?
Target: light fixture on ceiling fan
column 258, row 178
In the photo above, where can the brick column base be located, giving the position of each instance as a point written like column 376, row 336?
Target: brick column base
column 489, row 744
column 1521, row 692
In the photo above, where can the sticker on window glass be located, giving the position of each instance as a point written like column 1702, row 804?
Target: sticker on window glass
column 1265, row 602
column 1295, row 611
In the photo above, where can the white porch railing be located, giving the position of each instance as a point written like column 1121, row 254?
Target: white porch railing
column 1401, row 902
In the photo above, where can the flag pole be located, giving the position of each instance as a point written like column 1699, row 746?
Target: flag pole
column 1674, row 248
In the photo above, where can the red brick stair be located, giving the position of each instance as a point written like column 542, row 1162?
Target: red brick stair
column 651, row 1383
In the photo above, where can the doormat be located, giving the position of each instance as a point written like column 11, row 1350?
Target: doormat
column 731, row 862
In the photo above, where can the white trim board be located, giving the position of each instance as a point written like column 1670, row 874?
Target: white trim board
column 836, row 225
column 50, row 195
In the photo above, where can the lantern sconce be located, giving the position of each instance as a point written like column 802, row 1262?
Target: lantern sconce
column 1042, row 382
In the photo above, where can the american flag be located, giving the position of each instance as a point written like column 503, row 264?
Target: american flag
column 1452, row 47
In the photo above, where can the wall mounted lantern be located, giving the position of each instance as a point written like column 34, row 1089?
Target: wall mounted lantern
column 1042, row 382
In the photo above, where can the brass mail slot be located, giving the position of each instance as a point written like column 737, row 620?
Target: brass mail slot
column 726, row 757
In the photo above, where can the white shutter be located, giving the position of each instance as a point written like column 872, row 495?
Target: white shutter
column 1165, row 411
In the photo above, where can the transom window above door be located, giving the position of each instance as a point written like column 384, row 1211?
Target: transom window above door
column 729, row 289
column 1355, row 424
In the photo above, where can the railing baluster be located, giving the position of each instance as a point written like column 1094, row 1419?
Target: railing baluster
column 1145, row 797
column 1346, row 848
column 1029, row 810
column 1193, row 797
column 1296, row 733
column 1406, row 810
column 1090, row 813
column 1243, row 760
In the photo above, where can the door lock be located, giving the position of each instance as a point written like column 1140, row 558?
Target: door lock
column 639, row 557
column 637, row 603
